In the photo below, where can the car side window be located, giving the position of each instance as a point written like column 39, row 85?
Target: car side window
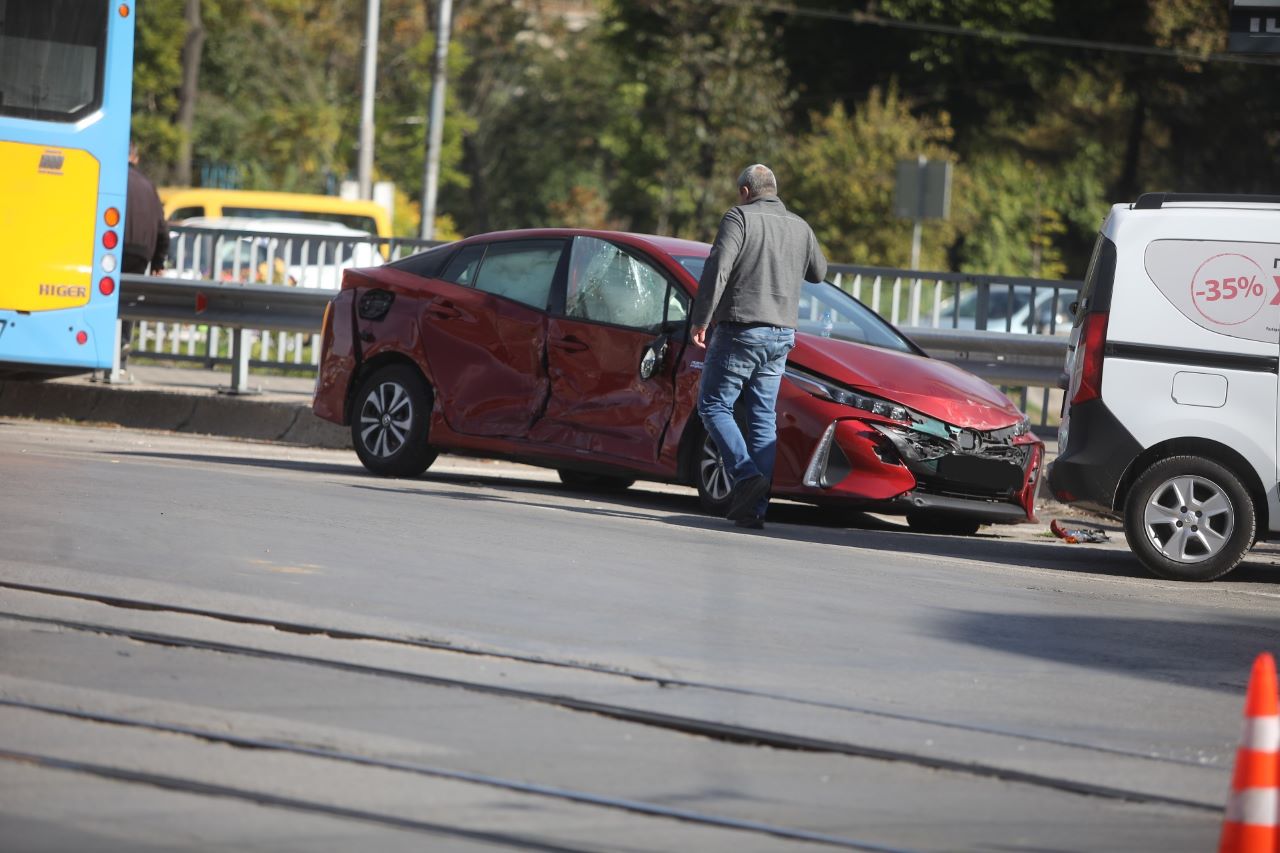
column 522, row 270
column 608, row 285
column 677, row 305
column 461, row 269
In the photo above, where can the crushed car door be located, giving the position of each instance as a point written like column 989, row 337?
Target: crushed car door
column 610, row 355
column 484, row 335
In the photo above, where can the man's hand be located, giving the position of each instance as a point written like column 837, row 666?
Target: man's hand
column 699, row 335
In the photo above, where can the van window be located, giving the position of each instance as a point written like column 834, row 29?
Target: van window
column 1096, row 293
column 186, row 213
column 360, row 223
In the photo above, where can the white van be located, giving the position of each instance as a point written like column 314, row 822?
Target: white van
column 1170, row 413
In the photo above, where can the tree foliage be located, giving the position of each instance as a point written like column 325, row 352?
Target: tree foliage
column 638, row 114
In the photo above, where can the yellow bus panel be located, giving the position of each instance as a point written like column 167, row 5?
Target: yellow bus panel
column 47, row 233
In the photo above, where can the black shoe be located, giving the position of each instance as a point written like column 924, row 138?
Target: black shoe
column 745, row 496
column 752, row 523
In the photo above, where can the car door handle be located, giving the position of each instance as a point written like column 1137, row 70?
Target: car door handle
column 443, row 310
column 568, row 344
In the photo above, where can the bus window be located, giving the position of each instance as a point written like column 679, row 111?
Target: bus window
column 51, row 58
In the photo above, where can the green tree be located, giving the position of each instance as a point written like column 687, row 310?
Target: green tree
column 157, row 72
column 703, row 95
column 840, row 177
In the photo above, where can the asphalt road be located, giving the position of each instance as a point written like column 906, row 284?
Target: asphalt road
column 210, row 644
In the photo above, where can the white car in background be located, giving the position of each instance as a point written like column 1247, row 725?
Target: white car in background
column 297, row 252
column 1013, row 308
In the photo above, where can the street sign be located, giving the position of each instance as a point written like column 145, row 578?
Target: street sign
column 1255, row 26
column 922, row 189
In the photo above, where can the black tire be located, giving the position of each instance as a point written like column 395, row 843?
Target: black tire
column 946, row 525
column 708, row 474
column 595, row 482
column 390, row 416
column 1189, row 519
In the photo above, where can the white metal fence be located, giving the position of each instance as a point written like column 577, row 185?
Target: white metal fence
column 260, row 257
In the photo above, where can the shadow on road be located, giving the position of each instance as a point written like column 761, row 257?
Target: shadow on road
column 787, row 521
column 1207, row 655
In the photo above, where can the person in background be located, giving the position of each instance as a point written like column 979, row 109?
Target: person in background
column 750, row 290
column 146, row 236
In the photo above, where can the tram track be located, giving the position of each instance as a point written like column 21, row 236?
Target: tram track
column 637, row 807
column 663, row 681
column 712, row 729
column 186, row 785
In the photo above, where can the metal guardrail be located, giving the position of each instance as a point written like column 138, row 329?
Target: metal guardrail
column 918, row 298
column 1011, row 361
column 1010, row 330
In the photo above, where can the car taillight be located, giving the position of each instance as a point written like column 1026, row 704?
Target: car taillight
column 1093, row 340
column 328, row 318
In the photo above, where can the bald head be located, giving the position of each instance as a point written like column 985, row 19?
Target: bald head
column 758, row 180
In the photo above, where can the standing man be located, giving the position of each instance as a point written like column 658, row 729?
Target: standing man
column 750, row 291
column 146, row 236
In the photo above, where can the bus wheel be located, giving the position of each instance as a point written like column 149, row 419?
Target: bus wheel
column 390, row 420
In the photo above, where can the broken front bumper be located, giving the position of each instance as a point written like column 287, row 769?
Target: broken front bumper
column 988, row 476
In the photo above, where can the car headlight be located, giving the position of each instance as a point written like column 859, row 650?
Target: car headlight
column 827, row 390
column 1022, row 427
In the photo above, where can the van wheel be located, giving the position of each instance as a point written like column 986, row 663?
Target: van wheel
column 389, row 422
column 1189, row 519
column 942, row 524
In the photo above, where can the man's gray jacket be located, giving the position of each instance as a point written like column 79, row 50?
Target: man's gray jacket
column 761, row 255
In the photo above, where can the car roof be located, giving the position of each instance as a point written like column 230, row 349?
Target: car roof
column 276, row 225
column 674, row 246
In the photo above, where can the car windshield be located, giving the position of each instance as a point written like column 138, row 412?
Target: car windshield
column 822, row 304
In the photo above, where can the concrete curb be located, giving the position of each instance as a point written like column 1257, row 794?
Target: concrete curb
column 236, row 417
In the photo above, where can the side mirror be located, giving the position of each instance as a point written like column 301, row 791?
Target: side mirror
column 651, row 358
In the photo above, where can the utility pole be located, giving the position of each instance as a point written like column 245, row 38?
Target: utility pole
column 435, row 125
column 364, row 173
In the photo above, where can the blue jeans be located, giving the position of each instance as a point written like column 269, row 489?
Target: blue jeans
column 748, row 362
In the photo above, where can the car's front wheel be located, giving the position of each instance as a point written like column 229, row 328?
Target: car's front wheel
column 711, row 476
column 1189, row 519
column 389, row 422
column 947, row 525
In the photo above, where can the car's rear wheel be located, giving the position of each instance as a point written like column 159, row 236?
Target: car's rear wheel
column 389, row 422
column 1189, row 519
column 711, row 476
column 595, row 482
column 948, row 525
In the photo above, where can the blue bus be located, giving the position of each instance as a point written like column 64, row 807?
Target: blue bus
column 66, row 77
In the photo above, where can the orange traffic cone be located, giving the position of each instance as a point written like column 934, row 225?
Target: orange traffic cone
column 1252, row 810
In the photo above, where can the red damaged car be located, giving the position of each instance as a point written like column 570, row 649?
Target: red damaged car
column 568, row 348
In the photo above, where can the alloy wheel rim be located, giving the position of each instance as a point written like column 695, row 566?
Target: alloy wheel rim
column 715, row 479
column 385, row 418
column 1188, row 519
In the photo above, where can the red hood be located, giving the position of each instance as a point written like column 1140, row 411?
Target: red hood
column 930, row 386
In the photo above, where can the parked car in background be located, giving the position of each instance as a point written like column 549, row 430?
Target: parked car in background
column 1012, row 308
column 569, row 349
column 182, row 204
column 305, row 253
